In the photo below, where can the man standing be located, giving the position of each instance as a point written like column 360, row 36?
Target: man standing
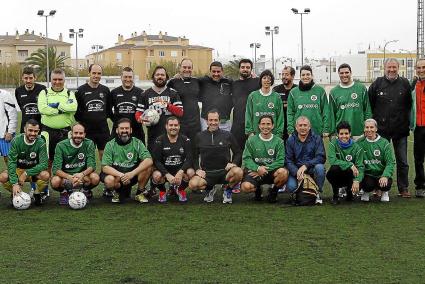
column 27, row 95
column 305, row 154
column 57, row 106
column 125, row 162
column 349, row 102
column 172, row 156
column 74, row 165
column 391, row 102
column 216, row 160
column 27, row 162
column 288, row 74
column 216, row 93
column 164, row 100
column 8, row 122
column 93, row 101
column 124, row 103
column 241, row 89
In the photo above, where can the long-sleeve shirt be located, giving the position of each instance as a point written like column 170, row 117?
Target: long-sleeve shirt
column 8, row 114
column 263, row 152
column 346, row 158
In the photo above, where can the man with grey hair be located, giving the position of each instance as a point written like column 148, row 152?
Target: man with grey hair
column 391, row 102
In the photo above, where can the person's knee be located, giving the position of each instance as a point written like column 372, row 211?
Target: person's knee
column 44, row 175
column 319, row 169
column 94, row 179
column 4, row 177
column 194, row 183
column 292, row 184
column 190, row 173
column 109, row 181
column 247, row 187
column 281, row 177
column 56, row 182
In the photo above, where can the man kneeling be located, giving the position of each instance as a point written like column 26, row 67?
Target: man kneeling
column 125, row 162
column 263, row 160
column 28, row 161
column 74, row 165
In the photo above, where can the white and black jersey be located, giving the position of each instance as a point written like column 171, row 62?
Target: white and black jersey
column 171, row 157
column 93, row 107
column 27, row 102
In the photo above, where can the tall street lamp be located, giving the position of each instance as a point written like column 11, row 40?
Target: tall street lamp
column 74, row 33
column 255, row 45
column 385, row 46
column 270, row 31
column 51, row 14
column 296, row 12
column 96, row 47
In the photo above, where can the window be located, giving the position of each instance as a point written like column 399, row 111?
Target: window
column 376, row 64
column 151, row 52
column 63, row 53
column 118, row 56
column 410, row 63
column 23, row 53
column 109, row 81
column 334, row 69
column 161, row 53
column 183, row 53
column 173, row 53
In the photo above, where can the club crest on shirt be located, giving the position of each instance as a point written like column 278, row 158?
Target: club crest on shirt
column 257, row 114
column 270, row 152
column 313, row 97
column 129, row 155
column 80, row 156
column 342, row 106
column 270, row 105
column 101, row 95
column 300, row 106
column 134, row 98
column 354, row 96
column 348, row 158
column 377, row 153
column 181, row 150
column 33, row 155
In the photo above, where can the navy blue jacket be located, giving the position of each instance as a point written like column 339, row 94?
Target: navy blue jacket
column 309, row 153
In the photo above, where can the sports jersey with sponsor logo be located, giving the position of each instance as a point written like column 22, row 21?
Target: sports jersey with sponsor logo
column 284, row 93
column 27, row 101
column 124, row 157
column 259, row 104
column 378, row 157
column 346, row 158
column 74, row 159
column 263, row 152
column 350, row 104
column 29, row 156
column 124, row 104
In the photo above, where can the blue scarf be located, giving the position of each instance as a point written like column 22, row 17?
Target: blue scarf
column 345, row 145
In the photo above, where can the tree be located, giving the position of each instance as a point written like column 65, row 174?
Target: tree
column 37, row 59
column 10, row 75
column 171, row 67
column 111, row 70
column 231, row 69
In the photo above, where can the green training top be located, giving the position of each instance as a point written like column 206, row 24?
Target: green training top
column 74, row 159
column 313, row 104
column 31, row 157
column 346, row 158
column 259, row 104
column 378, row 157
column 124, row 158
column 349, row 104
column 63, row 115
column 261, row 152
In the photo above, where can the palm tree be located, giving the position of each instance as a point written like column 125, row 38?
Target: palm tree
column 37, row 59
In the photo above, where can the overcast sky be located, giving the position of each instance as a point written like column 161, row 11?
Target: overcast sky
column 334, row 27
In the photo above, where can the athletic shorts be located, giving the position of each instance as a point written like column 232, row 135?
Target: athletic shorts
column 215, row 177
column 133, row 181
column 99, row 138
column 267, row 179
column 53, row 137
column 4, row 147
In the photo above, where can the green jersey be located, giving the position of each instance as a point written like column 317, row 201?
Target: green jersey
column 263, row 152
column 124, row 158
column 378, row 157
column 29, row 156
column 312, row 104
column 74, row 159
column 259, row 104
column 351, row 104
column 57, row 108
column 346, row 158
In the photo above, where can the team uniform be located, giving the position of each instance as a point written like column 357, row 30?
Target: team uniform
column 260, row 104
column 284, row 93
column 262, row 152
column 311, row 103
column 8, row 120
column 27, row 101
column 240, row 92
column 93, row 111
column 350, row 104
column 123, row 105
column 152, row 100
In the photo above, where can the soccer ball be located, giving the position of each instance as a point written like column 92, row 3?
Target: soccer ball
column 77, row 200
column 150, row 117
column 22, row 201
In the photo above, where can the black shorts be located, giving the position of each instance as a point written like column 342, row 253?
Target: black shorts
column 55, row 136
column 133, row 181
column 215, row 177
column 99, row 138
column 267, row 179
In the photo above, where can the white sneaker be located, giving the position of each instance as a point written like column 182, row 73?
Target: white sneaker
column 342, row 192
column 227, row 197
column 282, row 189
column 360, row 193
column 385, row 196
column 319, row 200
column 365, row 197
column 210, row 195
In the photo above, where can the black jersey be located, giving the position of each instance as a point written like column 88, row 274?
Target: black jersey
column 216, row 95
column 27, row 101
column 93, row 107
column 240, row 92
column 124, row 104
column 188, row 90
column 171, row 157
column 284, row 93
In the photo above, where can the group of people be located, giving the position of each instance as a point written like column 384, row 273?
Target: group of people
column 247, row 134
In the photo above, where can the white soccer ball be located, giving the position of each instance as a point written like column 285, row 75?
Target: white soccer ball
column 77, row 200
column 21, row 201
column 150, row 117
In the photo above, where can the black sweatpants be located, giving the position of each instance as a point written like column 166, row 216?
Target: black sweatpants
column 370, row 183
column 340, row 178
column 419, row 154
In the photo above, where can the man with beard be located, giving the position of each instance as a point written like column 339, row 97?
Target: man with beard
column 27, row 162
column 241, row 89
column 164, row 100
column 288, row 74
column 216, row 93
column 188, row 89
column 74, row 165
column 93, row 108
column 26, row 96
column 125, row 162
column 172, row 157
column 124, row 103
